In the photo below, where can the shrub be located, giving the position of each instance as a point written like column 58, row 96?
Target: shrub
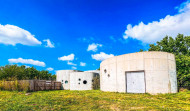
column 96, row 82
column 24, row 85
column 14, row 85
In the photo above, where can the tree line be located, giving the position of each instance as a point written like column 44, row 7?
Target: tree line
column 180, row 47
column 10, row 72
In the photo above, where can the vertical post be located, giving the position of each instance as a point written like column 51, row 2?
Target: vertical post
column 54, row 85
column 45, row 86
column 34, row 85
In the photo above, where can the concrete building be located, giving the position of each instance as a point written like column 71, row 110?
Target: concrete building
column 63, row 76
column 82, row 80
column 142, row 72
column 76, row 80
column 94, row 71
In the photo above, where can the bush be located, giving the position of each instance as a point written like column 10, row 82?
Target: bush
column 14, row 85
column 96, row 82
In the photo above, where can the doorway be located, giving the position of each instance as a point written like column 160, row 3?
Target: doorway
column 135, row 82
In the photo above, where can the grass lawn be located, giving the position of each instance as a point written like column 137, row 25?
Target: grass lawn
column 92, row 100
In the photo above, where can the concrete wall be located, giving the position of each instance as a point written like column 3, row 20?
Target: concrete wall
column 63, row 76
column 81, row 80
column 73, row 76
column 94, row 71
column 159, row 69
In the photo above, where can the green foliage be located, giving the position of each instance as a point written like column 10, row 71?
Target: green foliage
column 14, row 85
column 21, row 72
column 96, row 82
column 141, row 50
column 93, row 100
column 180, row 47
column 183, row 70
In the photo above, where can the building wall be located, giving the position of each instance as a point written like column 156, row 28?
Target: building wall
column 159, row 69
column 94, row 71
column 78, row 80
column 73, row 76
column 63, row 76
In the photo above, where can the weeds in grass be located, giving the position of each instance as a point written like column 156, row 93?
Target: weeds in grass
column 14, row 85
column 92, row 100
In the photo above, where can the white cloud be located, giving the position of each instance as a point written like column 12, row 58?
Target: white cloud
column 67, row 58
column 27, row 61
column 49, row 43
column 113, row 39
column 82, row 64
column 156, row 30
column 185, row 6
column 87, row 40
column 27, row 66
column 12, row 35
column 93, row 47
column 102, row 56
column 50, row 69
column 74, row 67
column 70, row 63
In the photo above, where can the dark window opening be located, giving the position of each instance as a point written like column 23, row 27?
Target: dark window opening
column 79, row 79
column 66, row 82
column 84, row 82
column 62, row 80
column 108, row 75
column 78, row 83
column 105, row 70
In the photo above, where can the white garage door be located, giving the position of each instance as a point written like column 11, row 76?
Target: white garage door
column 135, row 82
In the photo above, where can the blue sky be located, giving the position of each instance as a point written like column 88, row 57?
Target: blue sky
column 79, row 34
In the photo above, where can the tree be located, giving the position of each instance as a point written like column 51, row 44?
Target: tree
column 21, row 72
column 141, row 50
column 180, row 47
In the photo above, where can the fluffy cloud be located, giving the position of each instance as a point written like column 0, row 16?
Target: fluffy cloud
column 27, row 61
column 70, row 63
column 86, row 40
column 113, row 39
column 102, row 56
column 49, row 43
column 74, row 68
column 67, row 58
column 27, row 66
column 82, row 64
column 93, row 47
column 12, row 35
column 156, row 30
column 50, row 69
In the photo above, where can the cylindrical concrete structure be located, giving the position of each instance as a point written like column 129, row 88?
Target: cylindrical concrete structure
column 63, row 76
column 82, row 80
column 142, row 72
column 76, row 80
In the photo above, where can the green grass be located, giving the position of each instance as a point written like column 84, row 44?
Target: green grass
column 92, row 100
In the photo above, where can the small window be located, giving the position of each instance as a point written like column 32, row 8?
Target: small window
column 62, row 80
column 79, row 83
column 79, row 79
column 105, row 70
column 108, row 75
column 66, row 82
column 84, row 82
